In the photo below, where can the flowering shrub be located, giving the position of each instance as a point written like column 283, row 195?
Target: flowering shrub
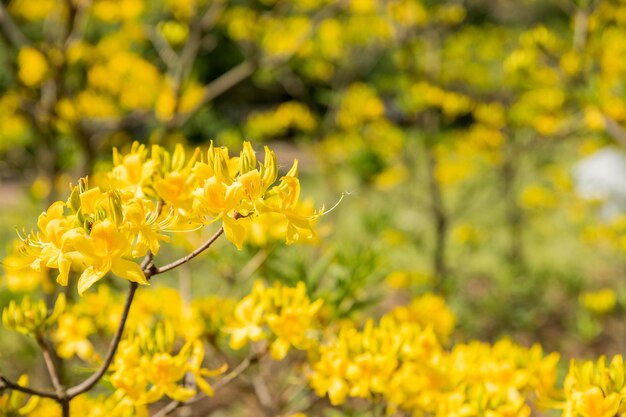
column 401, row 363
column 455, row 123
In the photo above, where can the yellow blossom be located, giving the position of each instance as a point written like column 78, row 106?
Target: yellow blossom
column 33, row 66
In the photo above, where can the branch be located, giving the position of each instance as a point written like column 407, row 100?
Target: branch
column 150, row 272
column 26, row 390
column 216, row 88
column 614, row 129
column 87, row 384
column 52, row 371
column 162, row 47
column 77, row 26
column 10, row 29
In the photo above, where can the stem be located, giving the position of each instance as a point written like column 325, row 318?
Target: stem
column 10, row 30
column 52, row 371
column 216, row 88
column 87, row 384
column 614, row 130
column 65, row 408
column 150, row 272
column 440, row 221
column 5, row 383
column 513, row 213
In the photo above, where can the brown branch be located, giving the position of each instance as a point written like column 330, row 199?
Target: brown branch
column 152, row 271
column 162, row 47
column 87, row 384
column 77, row 26
column 6, row 383
column 614, row 130
column 10, row 29
column 52, row 371
column 216, row 88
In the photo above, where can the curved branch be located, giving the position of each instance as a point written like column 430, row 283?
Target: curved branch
column 26, row 390
column 150, row 272
column 87, row 384
column 52, row 371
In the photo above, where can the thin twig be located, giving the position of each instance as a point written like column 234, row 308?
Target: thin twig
column 52, row 371
column 614, row 130
column 162, row 47
column 150, row 272
column 6, row 383
column 216, row 88
column 10, row 29
column 77, row 30
column 87, row 384
column 254, row 263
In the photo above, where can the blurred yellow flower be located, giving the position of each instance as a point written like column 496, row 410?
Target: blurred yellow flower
column 33, row 67
column 599, row 302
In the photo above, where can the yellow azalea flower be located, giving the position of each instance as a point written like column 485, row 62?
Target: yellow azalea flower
column 284, row 200
column 292, row 320
column 132, row 171
column 72, row 337
column 127, row 378
column 164, row 371
column 195, row 367
column 285, row 314
column 30, row 317
column 246, row 323
column 33, row 67
column 428, row 310
column 104, row 250
column 599, row 302
column 20, row 277
column 142, row 221
column 328, row 376
column 594, row 403
column 53, row 242
column 99, row 230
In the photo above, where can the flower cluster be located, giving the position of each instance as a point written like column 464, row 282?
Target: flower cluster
column 100, row 230
column 595, row 389
column 401, row 361
column 31, row 317
column 145, row 369
column 283, row 314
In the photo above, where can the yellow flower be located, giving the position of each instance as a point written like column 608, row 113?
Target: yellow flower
column 72, row 337
column 142, row 222
column 33, row 67
column 31, row 317
column 599, row 302
column 199, row 373
column 164, row 371
column 594, row 403
column 21, row 277
column 293, row 319
column 246, row 322
column 132, row 171
column 53, row 242
column 104, row 250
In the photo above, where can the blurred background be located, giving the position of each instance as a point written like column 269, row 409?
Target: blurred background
column 478, row 144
